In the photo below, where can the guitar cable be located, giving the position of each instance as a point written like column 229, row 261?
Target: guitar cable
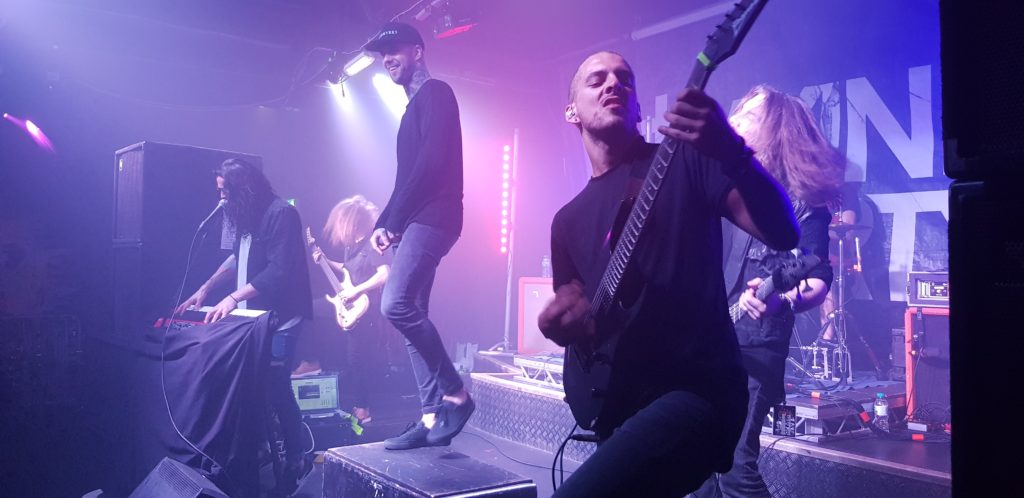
column 559, row 460
column 163, row 350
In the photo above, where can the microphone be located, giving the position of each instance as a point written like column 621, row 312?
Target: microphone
column 220, row 206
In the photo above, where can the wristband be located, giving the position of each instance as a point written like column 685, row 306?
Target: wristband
column 784, row 297
column 232, row 296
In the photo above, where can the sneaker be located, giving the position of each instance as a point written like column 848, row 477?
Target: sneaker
column 414, row 436
column 362, row 415
column 451, row 418
column 306, row 369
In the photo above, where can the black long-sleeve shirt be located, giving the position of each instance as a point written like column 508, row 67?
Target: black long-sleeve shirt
column 428, row 183
column 277, row 263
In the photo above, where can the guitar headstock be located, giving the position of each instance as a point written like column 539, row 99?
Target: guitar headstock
column 309, row 237
column 726, row 39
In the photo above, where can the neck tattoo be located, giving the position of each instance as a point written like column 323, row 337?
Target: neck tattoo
column 419, row 77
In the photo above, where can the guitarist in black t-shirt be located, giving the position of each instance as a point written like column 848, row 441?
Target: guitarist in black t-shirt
column 675, row 402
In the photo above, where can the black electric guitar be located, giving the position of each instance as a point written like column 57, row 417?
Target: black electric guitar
column 782, row 279
column 588, row 367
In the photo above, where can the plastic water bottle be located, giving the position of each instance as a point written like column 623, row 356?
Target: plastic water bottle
column 545, row 267
column 881, row 412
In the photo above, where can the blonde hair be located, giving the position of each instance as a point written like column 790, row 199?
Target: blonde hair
column 350, row 220
column 790, row 146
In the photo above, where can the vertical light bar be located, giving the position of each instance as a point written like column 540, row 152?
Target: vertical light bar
column 506, row 168
column 509, row 164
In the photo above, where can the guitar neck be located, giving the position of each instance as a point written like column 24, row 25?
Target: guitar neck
column 638, row 216
column 700, row 73
column 329, row 272
column 762, row 292
column 722, row 43
column 624, row 248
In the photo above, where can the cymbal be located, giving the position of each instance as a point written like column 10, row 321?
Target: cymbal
column 842, row 228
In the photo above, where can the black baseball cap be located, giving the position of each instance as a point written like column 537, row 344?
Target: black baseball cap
column 394, row 33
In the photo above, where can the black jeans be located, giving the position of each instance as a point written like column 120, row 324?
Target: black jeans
column 405, row 301
column 365, row 358
column 667, row 449
column 765, row 385
column 280, row 394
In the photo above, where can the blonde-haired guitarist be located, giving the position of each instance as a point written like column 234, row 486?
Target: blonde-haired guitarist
column 356, row 295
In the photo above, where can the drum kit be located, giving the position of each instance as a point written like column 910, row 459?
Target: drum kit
column 830, row 360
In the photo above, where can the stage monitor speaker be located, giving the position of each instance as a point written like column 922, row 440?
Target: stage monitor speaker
column 982, row 68
column 173, row 479
column 986, row 278
column 161, row 194
column 534, row 294
column 927, row 364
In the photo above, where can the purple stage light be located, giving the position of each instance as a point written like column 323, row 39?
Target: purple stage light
column 33, row 131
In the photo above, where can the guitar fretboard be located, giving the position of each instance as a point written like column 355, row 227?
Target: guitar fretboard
column 329, row 272
column 762, row 292
column 608, row 288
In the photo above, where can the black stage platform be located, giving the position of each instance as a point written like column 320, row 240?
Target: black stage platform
column 518, row 426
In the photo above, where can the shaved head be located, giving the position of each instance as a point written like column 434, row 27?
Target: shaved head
column 578, row 76
column 602, row 96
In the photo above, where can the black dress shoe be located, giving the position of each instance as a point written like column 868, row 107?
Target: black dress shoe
column 451, row 418
column 414, row 436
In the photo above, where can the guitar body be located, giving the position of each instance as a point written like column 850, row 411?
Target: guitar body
column 348, row 313
column 592, row 380
column 587, row 382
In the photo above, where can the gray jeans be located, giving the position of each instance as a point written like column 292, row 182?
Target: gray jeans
column 405, row 301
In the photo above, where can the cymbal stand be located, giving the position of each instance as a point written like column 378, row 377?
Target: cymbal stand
column 841, row 367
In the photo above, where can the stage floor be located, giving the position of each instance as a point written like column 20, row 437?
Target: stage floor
column 854, row 457
column 390, row 417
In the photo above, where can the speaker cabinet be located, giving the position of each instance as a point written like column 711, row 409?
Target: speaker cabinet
column 986, row 277
column 173, row 479
column 982, row 67
column 161, row 194
column 927, row 364
column 534, row 294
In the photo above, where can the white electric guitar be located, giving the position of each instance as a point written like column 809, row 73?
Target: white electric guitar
column 349, row 312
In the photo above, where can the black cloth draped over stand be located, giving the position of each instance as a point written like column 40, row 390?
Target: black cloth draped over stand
column 215, row 384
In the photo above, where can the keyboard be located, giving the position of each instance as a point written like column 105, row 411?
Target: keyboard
column 191, row 318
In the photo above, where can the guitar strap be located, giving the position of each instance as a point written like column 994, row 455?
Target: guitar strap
column 638, row 167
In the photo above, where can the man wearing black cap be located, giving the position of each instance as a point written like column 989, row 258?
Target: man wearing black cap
column 422, row 221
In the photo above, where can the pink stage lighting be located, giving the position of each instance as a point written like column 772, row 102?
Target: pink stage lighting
column 34, row 131
column 505, row 165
